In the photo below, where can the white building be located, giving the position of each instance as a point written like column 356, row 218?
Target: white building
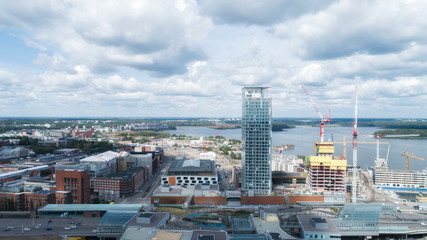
column 286, row 163
column 191, row 172
column 400, row 179
column 103, row 164
column 208, row 156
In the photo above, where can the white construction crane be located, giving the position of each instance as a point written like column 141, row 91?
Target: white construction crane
column 323, row 119
column 353, row 197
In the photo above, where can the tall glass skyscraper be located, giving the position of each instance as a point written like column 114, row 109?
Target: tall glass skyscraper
column 256, row 140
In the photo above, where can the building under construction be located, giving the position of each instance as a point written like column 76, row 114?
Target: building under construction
column 326, row 174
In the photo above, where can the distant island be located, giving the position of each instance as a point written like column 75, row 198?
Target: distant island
column 224, row 126
column 280, row 126
column 402, row 133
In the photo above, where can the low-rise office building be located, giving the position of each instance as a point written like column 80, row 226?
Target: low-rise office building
column 317, row 227
column 191, row 172
column 119, row 185
column 400, row 179
column 77, row 182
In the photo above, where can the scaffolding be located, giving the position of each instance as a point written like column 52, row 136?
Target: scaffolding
column 326, row 174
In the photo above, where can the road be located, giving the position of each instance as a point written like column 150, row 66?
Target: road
column 151, row 185
column 84, row 226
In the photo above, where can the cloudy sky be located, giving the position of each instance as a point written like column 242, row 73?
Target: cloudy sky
column 166, row 58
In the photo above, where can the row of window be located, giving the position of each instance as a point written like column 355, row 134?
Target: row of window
column 191, row 178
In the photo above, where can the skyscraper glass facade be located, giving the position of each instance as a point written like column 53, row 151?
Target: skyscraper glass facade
column 256, row 140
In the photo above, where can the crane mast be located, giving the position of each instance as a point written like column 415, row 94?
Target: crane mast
column 407, row 158
column 354, row 192
column 323, row 119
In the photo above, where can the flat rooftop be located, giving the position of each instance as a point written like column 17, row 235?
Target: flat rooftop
column 202, row 234
column 306, row 222
column 104, row 157
column 61, row 208
column 174, row 191
column 155, row 219
column 192, row 165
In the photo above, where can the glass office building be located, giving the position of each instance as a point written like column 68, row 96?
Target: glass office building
column 256, row 140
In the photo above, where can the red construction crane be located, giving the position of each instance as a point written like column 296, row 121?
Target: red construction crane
column 217, row 134
column 204, row 146
column 323, row 119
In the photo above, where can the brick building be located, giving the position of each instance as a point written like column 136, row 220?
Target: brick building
column 11, row 201
column 25, row 201
column 82, row 133
column 118, row 185
column 62, row 197
column 77, row 182
column 36, row 200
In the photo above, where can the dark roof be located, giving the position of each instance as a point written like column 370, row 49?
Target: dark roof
column 247, row 237
column 219, row 235
column 275, row 236
column 206, row 237
column 191, row 165
column 156, row 218
column 45, row 192
column 307, row 225
column 146, row 215
column 128, row 173
column 37, row 179
column 319, row 220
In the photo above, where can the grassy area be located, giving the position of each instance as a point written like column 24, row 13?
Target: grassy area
column 172, row 210
column 241, row 214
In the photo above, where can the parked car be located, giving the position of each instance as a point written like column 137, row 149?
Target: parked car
column 27, row 229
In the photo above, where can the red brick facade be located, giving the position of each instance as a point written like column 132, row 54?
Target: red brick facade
column 209, row 201
column 263, row 200
column 169, row 200
column 308, row 198
column 11, row 201
column 77, row 182
column 110, row 188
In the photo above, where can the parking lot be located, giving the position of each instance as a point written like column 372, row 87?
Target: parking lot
column 70, row 226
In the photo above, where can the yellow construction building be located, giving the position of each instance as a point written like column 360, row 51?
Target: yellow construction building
column 326, row 173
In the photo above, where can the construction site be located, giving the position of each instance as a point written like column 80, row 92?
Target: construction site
column 354, row 201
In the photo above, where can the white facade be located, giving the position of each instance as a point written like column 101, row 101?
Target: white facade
column 190, row 180
column 401, row 178
column 208, row 156
column 103, row 164
column 285, row 163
